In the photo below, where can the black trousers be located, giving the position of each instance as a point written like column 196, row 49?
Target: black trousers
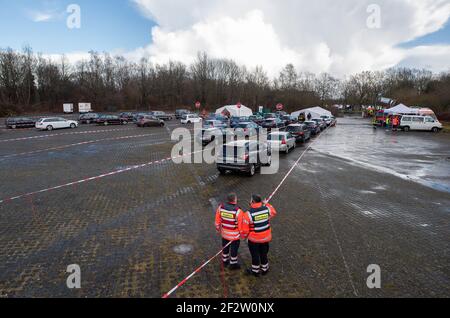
column 260, row 259
column 234, row 248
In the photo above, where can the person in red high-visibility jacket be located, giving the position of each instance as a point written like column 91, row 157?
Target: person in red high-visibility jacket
column 228, row 221
column 256, row 228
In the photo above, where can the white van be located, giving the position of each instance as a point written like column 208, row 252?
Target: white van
column 191, row 119
column 424, row 123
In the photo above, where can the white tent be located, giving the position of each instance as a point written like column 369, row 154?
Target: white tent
column 402, row 110
column 235, row 111
column 315, row 112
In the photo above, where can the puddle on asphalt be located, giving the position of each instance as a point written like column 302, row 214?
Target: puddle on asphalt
column 183, row 249
column 418, row 157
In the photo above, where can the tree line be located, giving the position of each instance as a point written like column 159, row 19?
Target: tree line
column 31, row 83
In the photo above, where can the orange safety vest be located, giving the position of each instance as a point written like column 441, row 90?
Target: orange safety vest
column 256, row 223
column 228, row 217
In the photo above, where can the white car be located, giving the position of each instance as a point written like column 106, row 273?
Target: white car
column 281, row 141
column 191, row 119
column 55, row 123
column 425, row 123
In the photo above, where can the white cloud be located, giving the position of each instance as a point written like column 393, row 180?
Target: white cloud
column 40, row 16
column 316, row 36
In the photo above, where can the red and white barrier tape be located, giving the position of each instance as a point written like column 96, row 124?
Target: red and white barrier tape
column 112, row 173
column 75, row 144
column 63, row 134
column 267, row 201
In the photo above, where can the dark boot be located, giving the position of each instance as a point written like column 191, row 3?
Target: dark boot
column 235, row 267
column 249, row 272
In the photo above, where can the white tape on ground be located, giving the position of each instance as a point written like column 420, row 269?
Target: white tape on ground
column 74, row 145
column 112, row 173
column 64, row 134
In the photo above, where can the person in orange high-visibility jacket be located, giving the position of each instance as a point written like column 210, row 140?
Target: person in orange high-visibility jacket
column 228, row 220
column 256, row 228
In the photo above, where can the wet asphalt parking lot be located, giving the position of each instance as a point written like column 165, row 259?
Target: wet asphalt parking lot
column 107, row 199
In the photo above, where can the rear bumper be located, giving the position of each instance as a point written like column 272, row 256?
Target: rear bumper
column 234, row 167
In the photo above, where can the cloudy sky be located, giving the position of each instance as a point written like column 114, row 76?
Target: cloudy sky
column 340, row 37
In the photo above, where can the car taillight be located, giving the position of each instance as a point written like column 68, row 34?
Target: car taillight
column 245, row 157
column 302, row 133
column 283, row 142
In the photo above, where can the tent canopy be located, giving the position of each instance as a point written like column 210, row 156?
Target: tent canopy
column 316, row 112
column 234, row 111
column 401, row 109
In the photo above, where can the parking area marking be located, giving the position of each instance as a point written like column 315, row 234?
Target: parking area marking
column 64, row 134
column 74, row 145
column 109, row 174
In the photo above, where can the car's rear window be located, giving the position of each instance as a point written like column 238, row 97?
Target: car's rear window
column 230, row 151
column 276, row 137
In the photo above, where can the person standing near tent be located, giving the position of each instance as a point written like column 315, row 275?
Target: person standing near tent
column 395, row 123
column 388, row 121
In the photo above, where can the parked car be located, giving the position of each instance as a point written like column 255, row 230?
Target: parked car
column 270, row 115
column 111, row 120
column 329, row 120
column 162, row 115
column 212, row 123
column 273, row 123
column 208, row 135
column 150, row 121
column 243, row 156
column 127, row 116
column 136, row 116
column 282, row 141
column 313, row 127
column 300, row 132
column 55, row 123
column 191, row 119
column 20, row 122
column 88, row 118
column 247, row 129
column 424, row 123
column 179, row 113
column 322, row 124
column 257, row 119
column 289, row 120
column 235, row 121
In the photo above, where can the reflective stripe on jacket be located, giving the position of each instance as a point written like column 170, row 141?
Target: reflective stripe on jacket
column 228, row 220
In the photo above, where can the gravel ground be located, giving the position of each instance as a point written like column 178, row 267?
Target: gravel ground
column 360, row 197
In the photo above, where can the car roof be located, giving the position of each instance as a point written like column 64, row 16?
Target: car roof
column 240, row 143
column 279, row 133
column 295, row 125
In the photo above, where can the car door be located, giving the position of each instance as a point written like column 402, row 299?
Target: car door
column 63, row 123
column 290, row 140
column 55, row 123
column 418, row 123
column 429, row 123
